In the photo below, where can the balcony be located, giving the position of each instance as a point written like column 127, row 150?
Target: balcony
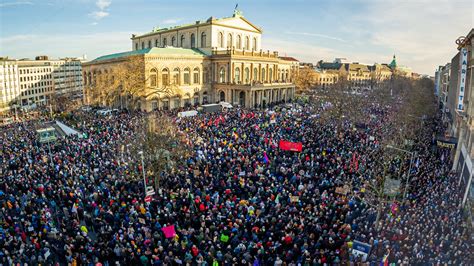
column 252, row 53
column 254, row 85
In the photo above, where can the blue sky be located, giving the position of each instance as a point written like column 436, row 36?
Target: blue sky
column 420, row 32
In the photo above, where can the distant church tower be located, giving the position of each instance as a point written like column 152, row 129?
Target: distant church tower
column 393, row 64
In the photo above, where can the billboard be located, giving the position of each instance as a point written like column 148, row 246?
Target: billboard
column 462, row 78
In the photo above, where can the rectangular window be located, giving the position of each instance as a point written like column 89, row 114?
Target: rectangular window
column 153, row 80
column 165, row 79
column 186, row 78
column 196, row 78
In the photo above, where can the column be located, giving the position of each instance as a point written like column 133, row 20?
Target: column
column 251, row 72
column 232, row 77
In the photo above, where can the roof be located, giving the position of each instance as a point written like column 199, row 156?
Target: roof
column 153, row 51
column 288, row 58
column 356, row 67
column 329, row 65
column 210, row 20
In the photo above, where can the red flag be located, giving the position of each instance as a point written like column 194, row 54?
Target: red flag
column 291, row 146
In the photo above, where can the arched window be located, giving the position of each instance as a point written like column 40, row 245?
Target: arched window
column 183, row 39
column 270, row 75
column 220, row 39
column 255, row 74
column 152, row 77
column 264, row 78
column 222, row 75
column 247, row 75
column 254, row 44
column 247, row 43
column 237, row 75
column 173, row 41
column 222, row 96
column 143, row 45
column 165, row 42
column 157, row 43
column 203, row 40
column 239, row 42
column 229, row 41
column 187, row 76
column 286, row 75
column 196, row 75
column 149, row 44
column 193, row 41
column 165, row 77
column 176, row 76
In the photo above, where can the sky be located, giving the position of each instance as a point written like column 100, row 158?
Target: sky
column 421, row 33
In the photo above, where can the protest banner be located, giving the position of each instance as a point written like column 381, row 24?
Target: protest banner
column 290, row 146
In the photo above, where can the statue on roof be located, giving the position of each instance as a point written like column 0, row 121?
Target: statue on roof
column 237, row 12
column 393, row 64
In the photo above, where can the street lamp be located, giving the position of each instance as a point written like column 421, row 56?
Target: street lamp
column 412, row 155
column 143, row 169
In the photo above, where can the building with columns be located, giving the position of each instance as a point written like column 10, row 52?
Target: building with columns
column 208, row 61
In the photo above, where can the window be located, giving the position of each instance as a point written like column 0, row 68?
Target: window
column 196, row 76
column 237, row 75
column 222, row 75
column 149, row 44
column 270, row 75
column 182, row 40
column 206, row 76
column 239, row 42
column 247, row 43
column 263, row 75
column 157, row 43
column 247, row 75
column 187, row 76
column 136, row 46
column 165, row 43
column 143, row 45
column 193, row 41
column 176, row 76
column 165, row 77
column 203, row 39
column 220, row 40
column 173, row 41
column 255, row 74
column 177, row 103
column 254, row 44
column 229, row 41
column 152, row 77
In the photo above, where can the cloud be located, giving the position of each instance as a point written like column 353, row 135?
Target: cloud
column 102, row 12
column 94, row 23
column 17, row 3
column 421, row 33
column 99, row 14
column 102, row 4
column 17, row 38
column 171, row 21
column 315, row 35
column 62, row 45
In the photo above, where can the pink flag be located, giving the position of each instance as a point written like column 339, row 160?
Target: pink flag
column 169, row 231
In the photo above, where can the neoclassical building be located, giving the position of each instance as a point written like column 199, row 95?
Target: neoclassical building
column 208, row 61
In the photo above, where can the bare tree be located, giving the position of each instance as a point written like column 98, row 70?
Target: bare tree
column 164, row 146
column 128, row 78
column 305, row 79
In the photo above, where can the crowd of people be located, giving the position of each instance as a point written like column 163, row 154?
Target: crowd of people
column 237, row 200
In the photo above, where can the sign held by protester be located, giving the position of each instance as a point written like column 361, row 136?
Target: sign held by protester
column 361, row 249
column 169, row 231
